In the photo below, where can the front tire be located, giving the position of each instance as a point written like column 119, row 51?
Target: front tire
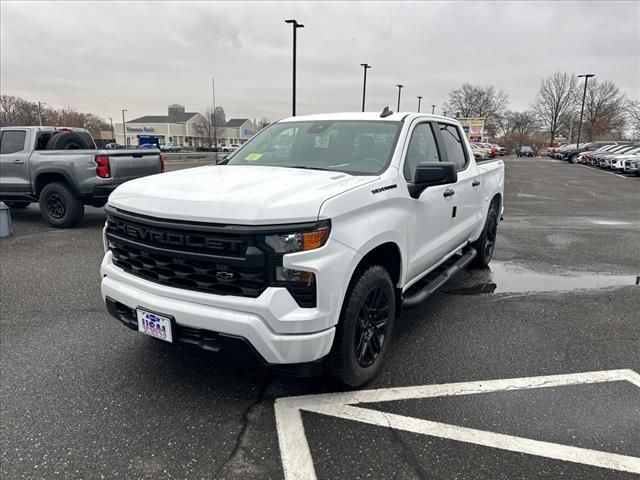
column 485, row 245
column 365, row 328
column 59, row 205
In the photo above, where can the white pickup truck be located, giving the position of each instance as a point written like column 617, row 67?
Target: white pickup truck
column 303, row 248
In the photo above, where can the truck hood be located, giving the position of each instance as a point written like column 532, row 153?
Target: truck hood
column 235, row 194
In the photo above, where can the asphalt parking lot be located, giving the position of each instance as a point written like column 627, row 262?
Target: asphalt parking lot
column 83, row 397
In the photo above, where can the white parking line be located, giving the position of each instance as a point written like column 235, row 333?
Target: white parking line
column 600, row 170
column 296, row 456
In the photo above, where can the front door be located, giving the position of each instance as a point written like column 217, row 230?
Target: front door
column 430, row 215
column 14, row 166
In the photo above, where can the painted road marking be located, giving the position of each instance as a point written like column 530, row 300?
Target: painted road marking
column 296, row 455
column 602, row 171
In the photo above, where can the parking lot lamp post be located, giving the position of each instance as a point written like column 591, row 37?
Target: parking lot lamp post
column 586, row 76
column 296, row 26
column 419, row 100
column 364, row 66
column 400, row 87
column 124, row 129
column 113, row 134
column 433, row 109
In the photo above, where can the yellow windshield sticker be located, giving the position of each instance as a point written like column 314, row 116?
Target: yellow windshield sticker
column 252, row 157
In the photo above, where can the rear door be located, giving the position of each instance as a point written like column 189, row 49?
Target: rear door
column 464, row 202
column 129, row 164
column 14, row 164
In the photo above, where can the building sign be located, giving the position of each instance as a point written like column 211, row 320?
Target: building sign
column 140, row 129
column 473, row 127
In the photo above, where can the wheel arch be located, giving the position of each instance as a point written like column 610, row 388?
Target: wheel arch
column 46, row 178
column 389, row 256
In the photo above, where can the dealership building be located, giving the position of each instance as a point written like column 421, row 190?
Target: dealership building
column 186, row 129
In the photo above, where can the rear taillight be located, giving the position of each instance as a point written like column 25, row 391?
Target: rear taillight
column 103, row 170
column 161, row 163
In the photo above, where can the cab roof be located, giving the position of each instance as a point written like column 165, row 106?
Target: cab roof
column 368, row 116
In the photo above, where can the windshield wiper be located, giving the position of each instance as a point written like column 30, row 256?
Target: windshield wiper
column 305, row 167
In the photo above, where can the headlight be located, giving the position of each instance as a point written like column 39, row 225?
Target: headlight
column 298, row 241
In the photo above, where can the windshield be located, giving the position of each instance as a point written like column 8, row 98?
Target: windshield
column 355, row 147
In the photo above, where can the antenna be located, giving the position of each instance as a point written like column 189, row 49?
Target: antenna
column 386, row 112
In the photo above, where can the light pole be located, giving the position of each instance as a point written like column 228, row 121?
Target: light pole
column 433, row 109
column 364, row 66
column 113, row 134
column 419, row 100
column 296, row 26
column 213, row 113
column 400, row 87
column 586, row 76
column 124, row 129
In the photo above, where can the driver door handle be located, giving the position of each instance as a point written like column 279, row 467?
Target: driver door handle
column 448, row 193
column 475, row 183
column 18, row 160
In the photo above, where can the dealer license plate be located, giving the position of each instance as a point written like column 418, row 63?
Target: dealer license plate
column 154, row 325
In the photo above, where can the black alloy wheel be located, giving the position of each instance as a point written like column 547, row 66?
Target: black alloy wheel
column 371, row 328
column 55, row 205
column 492, row 233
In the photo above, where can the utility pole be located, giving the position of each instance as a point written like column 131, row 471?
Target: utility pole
column 40, row 113
column 113, row 134
column 124, row 129
column 400, row 87
column 365, row 66
column 586, row 76
column 419, row 100
column 296, row 26
column 213, row 113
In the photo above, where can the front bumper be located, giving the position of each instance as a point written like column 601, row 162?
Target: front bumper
column 273, row 324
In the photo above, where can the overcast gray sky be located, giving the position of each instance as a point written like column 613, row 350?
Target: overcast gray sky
column 101, row 57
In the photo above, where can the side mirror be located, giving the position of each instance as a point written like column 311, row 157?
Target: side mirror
column 431, row 175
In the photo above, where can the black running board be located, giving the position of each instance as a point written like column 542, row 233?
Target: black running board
column 430, row 288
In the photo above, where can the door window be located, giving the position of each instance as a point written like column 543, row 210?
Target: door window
column 454, row 145
column 12, row 141
column 422, row 149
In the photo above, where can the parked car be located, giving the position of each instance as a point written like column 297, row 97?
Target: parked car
column 632, row 166
column 322, row 248
column 559, row 152
column 230, row 148
column 169, row 147
column 585, row 157
column 62, row 170
column 571, row 155
column 149, row 146
column 616, row 162
column 501, row 150
column 114, row 146
column 525, row 151
column 479, row 152
column 604, row 159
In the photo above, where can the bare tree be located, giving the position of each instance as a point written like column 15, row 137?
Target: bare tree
column 214, row 129
column 518, row 128
column 471, row 101
column 605, row 111
column 556, row 101
column 633, row 118
column 18, row 111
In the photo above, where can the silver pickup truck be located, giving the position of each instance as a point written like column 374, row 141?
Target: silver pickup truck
column 62, row 169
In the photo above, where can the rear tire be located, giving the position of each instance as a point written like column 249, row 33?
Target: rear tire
column 573, row 158
column 485, row 245
column 16, row 204
column 365, row 328
column 59, row 206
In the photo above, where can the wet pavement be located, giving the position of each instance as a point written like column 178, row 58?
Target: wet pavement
column 83, row 397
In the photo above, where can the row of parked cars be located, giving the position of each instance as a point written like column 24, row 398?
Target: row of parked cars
column 484, row 151
column 617, row 156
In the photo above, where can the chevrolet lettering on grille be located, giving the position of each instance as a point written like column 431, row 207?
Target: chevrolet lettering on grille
column 146, row 234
